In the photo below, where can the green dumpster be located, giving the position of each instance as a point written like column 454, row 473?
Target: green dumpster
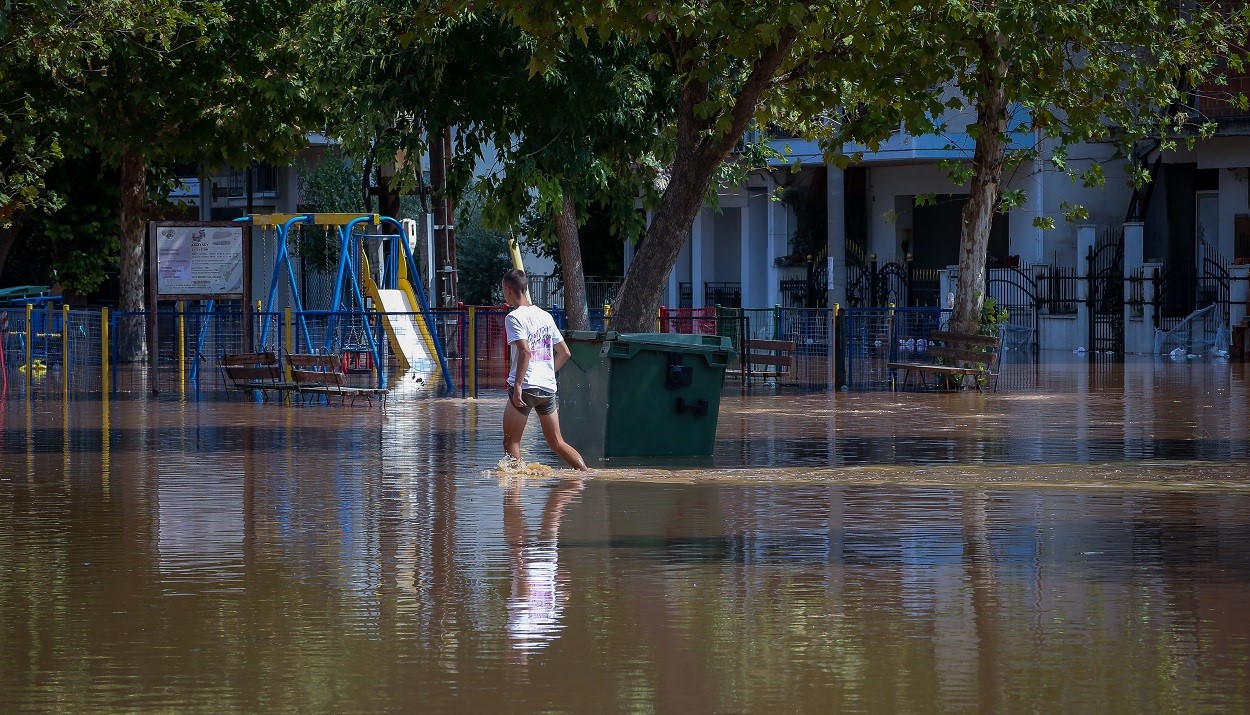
column 642, row 394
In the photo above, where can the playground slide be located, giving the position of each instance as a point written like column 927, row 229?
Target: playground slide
column 406, row 335
column 405, row 324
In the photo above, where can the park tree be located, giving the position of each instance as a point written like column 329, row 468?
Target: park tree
column 584, row 132
column 160, row 81
column 768, row 64
column 1089, row 70
column 729, row 66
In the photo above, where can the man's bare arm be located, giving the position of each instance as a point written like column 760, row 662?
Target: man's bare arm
column 522, row 365
column 562, row 354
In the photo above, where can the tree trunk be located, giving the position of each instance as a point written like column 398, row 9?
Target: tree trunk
column 131, row 337
column 575, row 308
column 701, row 148
column 8, row 236
column 639, row 297
column 987, row 164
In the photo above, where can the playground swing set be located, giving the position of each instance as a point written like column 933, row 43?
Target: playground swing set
column 397, row 303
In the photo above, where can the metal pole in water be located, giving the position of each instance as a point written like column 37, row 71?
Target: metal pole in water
column 104, row 351
column 30, row 312
column 472, row 352
column 65, row 353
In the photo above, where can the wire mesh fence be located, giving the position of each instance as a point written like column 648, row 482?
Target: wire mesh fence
column 72, row 350
column 875, row 337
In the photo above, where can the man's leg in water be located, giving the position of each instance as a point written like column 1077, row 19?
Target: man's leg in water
column 551, row 430
column 513, row 427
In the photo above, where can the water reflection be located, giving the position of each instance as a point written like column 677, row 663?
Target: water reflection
column 539, row 587
column 915, row 553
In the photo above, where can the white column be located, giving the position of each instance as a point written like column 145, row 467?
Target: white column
column 772, row 291
column 836, row 233
column 1138, row 337
column 1086, row 235
column 744, row 241
column 1034, row 252
column 696, row 261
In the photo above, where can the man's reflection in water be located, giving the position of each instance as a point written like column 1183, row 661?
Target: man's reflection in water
column 539, row 591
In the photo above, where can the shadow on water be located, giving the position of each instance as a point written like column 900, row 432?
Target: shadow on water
column 1049, row 549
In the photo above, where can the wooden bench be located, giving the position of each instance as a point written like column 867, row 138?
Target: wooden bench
column 254, row 371
column 963, row 356
column 770, row 353
column 324, row 375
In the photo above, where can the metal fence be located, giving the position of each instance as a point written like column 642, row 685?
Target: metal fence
column 77, row 351
column 874, row 337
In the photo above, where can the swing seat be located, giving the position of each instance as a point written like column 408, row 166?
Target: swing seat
column 357, row 360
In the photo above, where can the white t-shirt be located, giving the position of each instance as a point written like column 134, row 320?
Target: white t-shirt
column 535, row 325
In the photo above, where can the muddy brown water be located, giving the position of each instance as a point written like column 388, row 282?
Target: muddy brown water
column 1079, row 546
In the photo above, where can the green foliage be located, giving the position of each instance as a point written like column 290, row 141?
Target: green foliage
column 589, row 124
column 481, row 254
column 992, row 316
column 1096, row 70
column 145, row 83
column 75, row 245
column 331, row 184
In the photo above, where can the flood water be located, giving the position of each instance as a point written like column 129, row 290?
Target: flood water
column 1080, row 546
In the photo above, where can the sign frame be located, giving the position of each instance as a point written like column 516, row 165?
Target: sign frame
column 154, row 229
column 155, row 296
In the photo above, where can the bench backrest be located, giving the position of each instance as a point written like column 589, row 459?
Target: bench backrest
column 962, row 347
column 771, row 352
column 317, row 377
column 329, row 363
column 252, row 367
column 316, row 369
column 249, row 359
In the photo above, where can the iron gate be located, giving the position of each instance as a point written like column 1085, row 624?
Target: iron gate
column 877, row 286
column 1015, row 289
column 1106, row 294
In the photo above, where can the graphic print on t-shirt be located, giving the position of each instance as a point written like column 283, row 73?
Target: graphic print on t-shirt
column 541, row 350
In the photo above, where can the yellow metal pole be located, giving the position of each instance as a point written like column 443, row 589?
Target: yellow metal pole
column 182, row 348
column 104, row 349
column 30, row 312
column 833, row 348
column 514, row 250
column 607, row 317
column 65, row 353
column 472, row 350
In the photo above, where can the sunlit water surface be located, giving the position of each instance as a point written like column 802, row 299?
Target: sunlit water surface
column 1082, row 546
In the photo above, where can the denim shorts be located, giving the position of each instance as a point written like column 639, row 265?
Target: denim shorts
column 536, row 398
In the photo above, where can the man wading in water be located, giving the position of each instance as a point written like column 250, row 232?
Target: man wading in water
column 538, row 351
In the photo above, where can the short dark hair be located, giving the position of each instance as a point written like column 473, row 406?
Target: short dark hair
column 516, row 281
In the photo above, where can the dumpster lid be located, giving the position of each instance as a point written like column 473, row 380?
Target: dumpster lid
column 679, row 341
column 589, row 335
column 717, row 350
